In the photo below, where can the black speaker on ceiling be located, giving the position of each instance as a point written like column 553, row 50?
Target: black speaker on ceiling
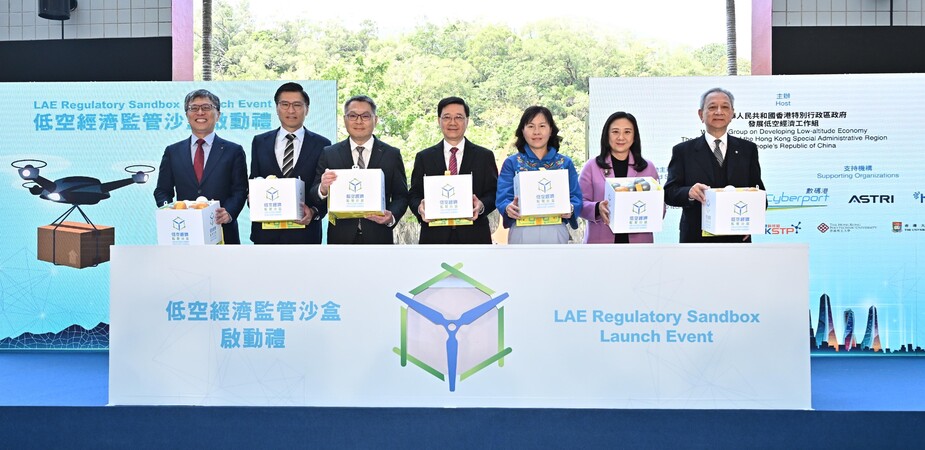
column 56, row 9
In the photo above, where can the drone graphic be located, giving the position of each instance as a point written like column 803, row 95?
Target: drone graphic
column 453, row 326
column 76, row 190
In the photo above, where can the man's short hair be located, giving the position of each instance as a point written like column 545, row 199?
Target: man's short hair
column 360, row 98
column 291, row 87
column 703, row 98
column 202, row 93
column 452, row 101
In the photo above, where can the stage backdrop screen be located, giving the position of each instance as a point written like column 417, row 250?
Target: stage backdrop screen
column 98, row 130
column 842, row 159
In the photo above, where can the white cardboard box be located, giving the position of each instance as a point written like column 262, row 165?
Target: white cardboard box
column 448, row 197
column 276, row 199
column 188, row 226
column 542, row 192
column 635, row 211
column 357, row 192
column 738, row 211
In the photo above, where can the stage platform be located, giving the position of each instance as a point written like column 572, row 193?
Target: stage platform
column 57, row 400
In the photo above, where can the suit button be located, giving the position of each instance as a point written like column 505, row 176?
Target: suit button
column 199, row 191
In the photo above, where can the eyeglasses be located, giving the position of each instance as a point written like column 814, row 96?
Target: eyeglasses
column 196, row 108
column 298, row 106
column 457, row 118
column 353, row 117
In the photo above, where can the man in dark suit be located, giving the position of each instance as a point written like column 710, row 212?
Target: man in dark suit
column 290, row 151
column 715, row 160
column 457, row 153
column 365, row 151
column 205, row 165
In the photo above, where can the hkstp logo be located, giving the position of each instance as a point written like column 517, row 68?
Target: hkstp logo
column 449, row 312
column 919, row 196
column 778, row 229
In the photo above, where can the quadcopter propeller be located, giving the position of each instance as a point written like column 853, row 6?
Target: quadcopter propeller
column 27, row 170
column 139, row 176
column 33, row 187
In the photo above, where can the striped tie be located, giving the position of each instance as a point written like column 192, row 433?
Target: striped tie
column 288, row 156
column 454, row 169
column 718, row 153
column 361, row 163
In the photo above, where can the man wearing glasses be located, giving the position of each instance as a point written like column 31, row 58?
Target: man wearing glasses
column 365, row 151
column 290, row 151
column 205, row 165
column 457, row 155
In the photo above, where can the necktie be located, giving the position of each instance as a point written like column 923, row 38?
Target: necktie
column 361, row 163
column 717, row 152
column 288, row 156
column 199, row 161
column 454, row 166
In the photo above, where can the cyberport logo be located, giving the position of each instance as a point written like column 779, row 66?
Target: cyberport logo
column 814, row 198
column 272, row 193
column 780, row 230
column 431, row 341
column 448, row 191
column 544, row 185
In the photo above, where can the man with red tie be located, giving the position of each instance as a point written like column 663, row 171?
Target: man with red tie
column 205, row 165
column 457, row 155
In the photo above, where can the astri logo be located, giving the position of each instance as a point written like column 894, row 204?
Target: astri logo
column 871, row 199
column 449, row 311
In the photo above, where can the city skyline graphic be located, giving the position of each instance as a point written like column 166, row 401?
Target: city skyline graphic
column 824, row 339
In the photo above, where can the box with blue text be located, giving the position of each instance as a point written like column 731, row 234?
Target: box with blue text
column 188, row 223
column 542, row 192
column 732, row 210
column 356, row 193
column 276, row 199
column 636, row 205
column 448, row 197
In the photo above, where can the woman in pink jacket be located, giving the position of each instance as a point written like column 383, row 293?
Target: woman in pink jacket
column 621, row 156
